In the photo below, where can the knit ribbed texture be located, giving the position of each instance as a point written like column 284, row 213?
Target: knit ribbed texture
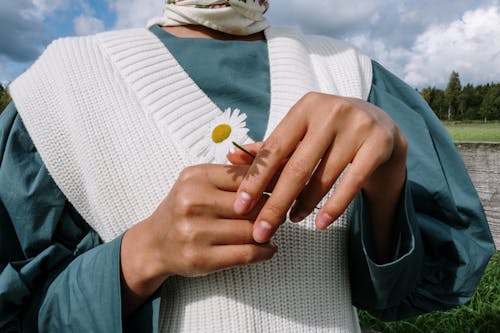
column 179, row 108
column 115, row 119
column 300, row 64
column 304, row 288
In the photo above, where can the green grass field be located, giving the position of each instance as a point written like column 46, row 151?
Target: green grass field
column 481, row 314
column 475, row 131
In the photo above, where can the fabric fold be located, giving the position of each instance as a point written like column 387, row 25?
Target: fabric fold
column 235, row 17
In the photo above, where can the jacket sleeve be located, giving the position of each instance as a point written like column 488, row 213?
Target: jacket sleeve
column 55, row 273
column 443, row 241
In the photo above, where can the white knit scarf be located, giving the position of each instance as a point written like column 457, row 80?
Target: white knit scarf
column 236, row 17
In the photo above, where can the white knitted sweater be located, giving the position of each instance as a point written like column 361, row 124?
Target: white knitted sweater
column 115, row 119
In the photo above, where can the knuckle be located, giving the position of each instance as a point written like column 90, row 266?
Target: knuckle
column 357, row 180
column 386, row 141
column 274, row 211
column 325, row 183
column 189, row 173
column 186, row 174
column 193, row 259
column 297, row 167
column 187, row 232
column 402, row 142
column 270, row 147
column 309, row 97
column 345, row 102
column 307, row 104
column 342, row 106
column 365, row 122
column 249, row 256
column 187, row 199
column 185, row 204
column 386, row 136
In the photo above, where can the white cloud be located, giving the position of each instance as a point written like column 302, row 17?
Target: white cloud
column 393, row 58
column 411, row 38
column 24, row 31
column 392, row 32
column 325, row 16
column 87, row 25
column 9, row 70
column 470, row 46
column 135, row 13
column 21, row 32
column 40, row 8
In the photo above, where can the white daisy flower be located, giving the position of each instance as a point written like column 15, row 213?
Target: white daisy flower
column 222, row 131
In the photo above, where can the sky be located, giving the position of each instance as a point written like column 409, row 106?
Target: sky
column 421, row 41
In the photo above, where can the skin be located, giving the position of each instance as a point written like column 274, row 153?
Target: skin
column 216, row 217
column 193, row 232
column 309, row 149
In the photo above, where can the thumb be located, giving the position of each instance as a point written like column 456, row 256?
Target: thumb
column 239, row 157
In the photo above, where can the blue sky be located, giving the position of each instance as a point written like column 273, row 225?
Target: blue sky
column 420, row 41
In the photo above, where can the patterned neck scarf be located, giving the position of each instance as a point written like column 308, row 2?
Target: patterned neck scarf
column 236, row 17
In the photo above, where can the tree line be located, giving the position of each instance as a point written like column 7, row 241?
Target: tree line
column 469, row 102
column 455, row 103
column 4, row 98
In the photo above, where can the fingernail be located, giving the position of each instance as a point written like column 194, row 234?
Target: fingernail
column 242, row 203
column 262, row 232
column 324, row 220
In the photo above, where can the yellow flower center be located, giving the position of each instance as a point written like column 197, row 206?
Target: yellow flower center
column 221, row 133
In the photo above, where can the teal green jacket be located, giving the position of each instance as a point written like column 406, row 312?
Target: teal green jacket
column 58, row 276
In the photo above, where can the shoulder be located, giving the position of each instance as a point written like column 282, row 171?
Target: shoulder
column 72, row 58
column 342, row 56
column 79, row 44
column 336, row 63
column 85, row 46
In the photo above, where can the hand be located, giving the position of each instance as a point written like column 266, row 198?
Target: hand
column 193, row 232
column 311, row 147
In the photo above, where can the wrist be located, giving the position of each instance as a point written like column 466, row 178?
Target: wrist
column 382, row 196
column 141, row 273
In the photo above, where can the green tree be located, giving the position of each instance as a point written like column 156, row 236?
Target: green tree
column 439, row 104
column 435, row 98
column 490, row 106
column 427, row 94
column 469, row 103
column 4, row 98
column 452, row 95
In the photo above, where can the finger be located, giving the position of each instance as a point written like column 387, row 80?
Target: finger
column 292, row 181
column 336, row 158
column 251, row 215
column 227, row 256
column 221, row 203
column 226, row 177
column 230, row 232
column 368, row 158
column 266, row 164
column 229, row 177
column 239, row 157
